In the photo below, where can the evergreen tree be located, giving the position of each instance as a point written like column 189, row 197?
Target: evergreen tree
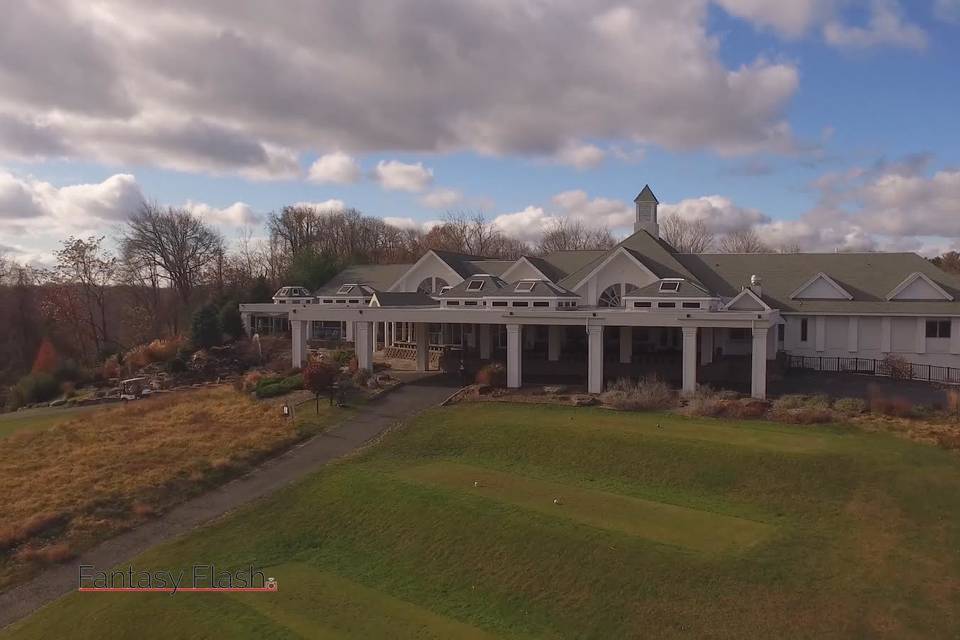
column 206, row 331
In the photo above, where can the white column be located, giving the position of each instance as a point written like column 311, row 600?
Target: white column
column 350, row 329
column 706, row 346
column 595, row 358
column 955, row 335
column 484, row 342
column 365, row 332
column 820, row 329
column 626, row 345
column 853, row 334
column 758, row 382
column 921, row 336
column 298, row 331
column 423, row 346
column 514, row 356
column 690, row 359
column 245, row 321
column 885, row 335
column 554, row 333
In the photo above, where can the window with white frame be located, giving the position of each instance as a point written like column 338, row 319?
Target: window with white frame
column 475, row 285
column 938, row 328
column 525, row 286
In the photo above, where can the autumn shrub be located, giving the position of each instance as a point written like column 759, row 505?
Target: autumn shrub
column 706, row 402
column 802, row 409
column 896, row 406
column 644, row 395
column 37, row 526
column 136, row 358
column 164, row 350
column 55, row 553
column 110, row 367
column 493, row 374
column 38, row 387
column 850, row 406
column 746, row 408
column 949, row 440
column 46, row 360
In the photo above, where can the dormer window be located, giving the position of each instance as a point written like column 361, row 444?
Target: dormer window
column 525, row 286
column 345, row 289
column 475, row 285
column 670, row 286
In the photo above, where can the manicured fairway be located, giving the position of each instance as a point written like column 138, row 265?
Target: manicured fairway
column 697, row 528
column 665, row 523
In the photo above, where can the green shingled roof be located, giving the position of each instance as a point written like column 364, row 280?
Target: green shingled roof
column 655, row 254
column 377, row 276
column 869, row 277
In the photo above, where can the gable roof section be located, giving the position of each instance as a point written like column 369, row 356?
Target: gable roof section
column 868, row 277
column 377, row 276
column 493, row 267
column 528, row 260
column 933, row 287
column 821, row 276
column 654, row 254
column 746, row 300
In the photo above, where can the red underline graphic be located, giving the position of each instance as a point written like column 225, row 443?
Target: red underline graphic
column 178, row 590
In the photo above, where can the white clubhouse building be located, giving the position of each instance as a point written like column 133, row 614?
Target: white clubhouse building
column 640, row 307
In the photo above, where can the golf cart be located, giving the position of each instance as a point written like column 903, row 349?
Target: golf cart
column 134, row 388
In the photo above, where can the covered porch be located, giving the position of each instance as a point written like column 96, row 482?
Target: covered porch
column 598, row 345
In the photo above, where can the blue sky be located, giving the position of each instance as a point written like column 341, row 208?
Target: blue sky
column 827, row 124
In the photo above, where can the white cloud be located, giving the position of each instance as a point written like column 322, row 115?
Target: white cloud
column 885, row 26
column 609, row 212
column 29, row 202
column 580, row 156
column 334, row 168
column 333, row 204
column 236, row 86
column 530, row 223
column 527, row 225
column 947, row 10
column 441, row 198
column 394, row 175
column 237, row 214
column 792, row 18
column 410, row 223
column 719, row 213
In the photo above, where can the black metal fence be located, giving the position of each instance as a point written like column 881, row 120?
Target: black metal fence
column 886, row 368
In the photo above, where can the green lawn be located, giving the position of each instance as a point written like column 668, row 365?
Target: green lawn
column 36, row 419
column 695, row 528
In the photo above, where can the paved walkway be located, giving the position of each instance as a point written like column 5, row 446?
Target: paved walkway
column 417, row 394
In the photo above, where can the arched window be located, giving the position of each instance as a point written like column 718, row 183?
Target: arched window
column 612, row 296
column 431, row 285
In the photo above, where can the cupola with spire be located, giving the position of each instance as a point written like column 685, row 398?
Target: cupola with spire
column 647, row 212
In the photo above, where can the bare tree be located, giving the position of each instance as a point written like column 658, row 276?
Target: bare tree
column 296, row 227
column 572, row 235
column 744, row 241
column 84, row 265
column 179, row 244
column 686, row 236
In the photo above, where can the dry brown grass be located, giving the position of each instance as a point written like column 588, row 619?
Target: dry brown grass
column 97, row 475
